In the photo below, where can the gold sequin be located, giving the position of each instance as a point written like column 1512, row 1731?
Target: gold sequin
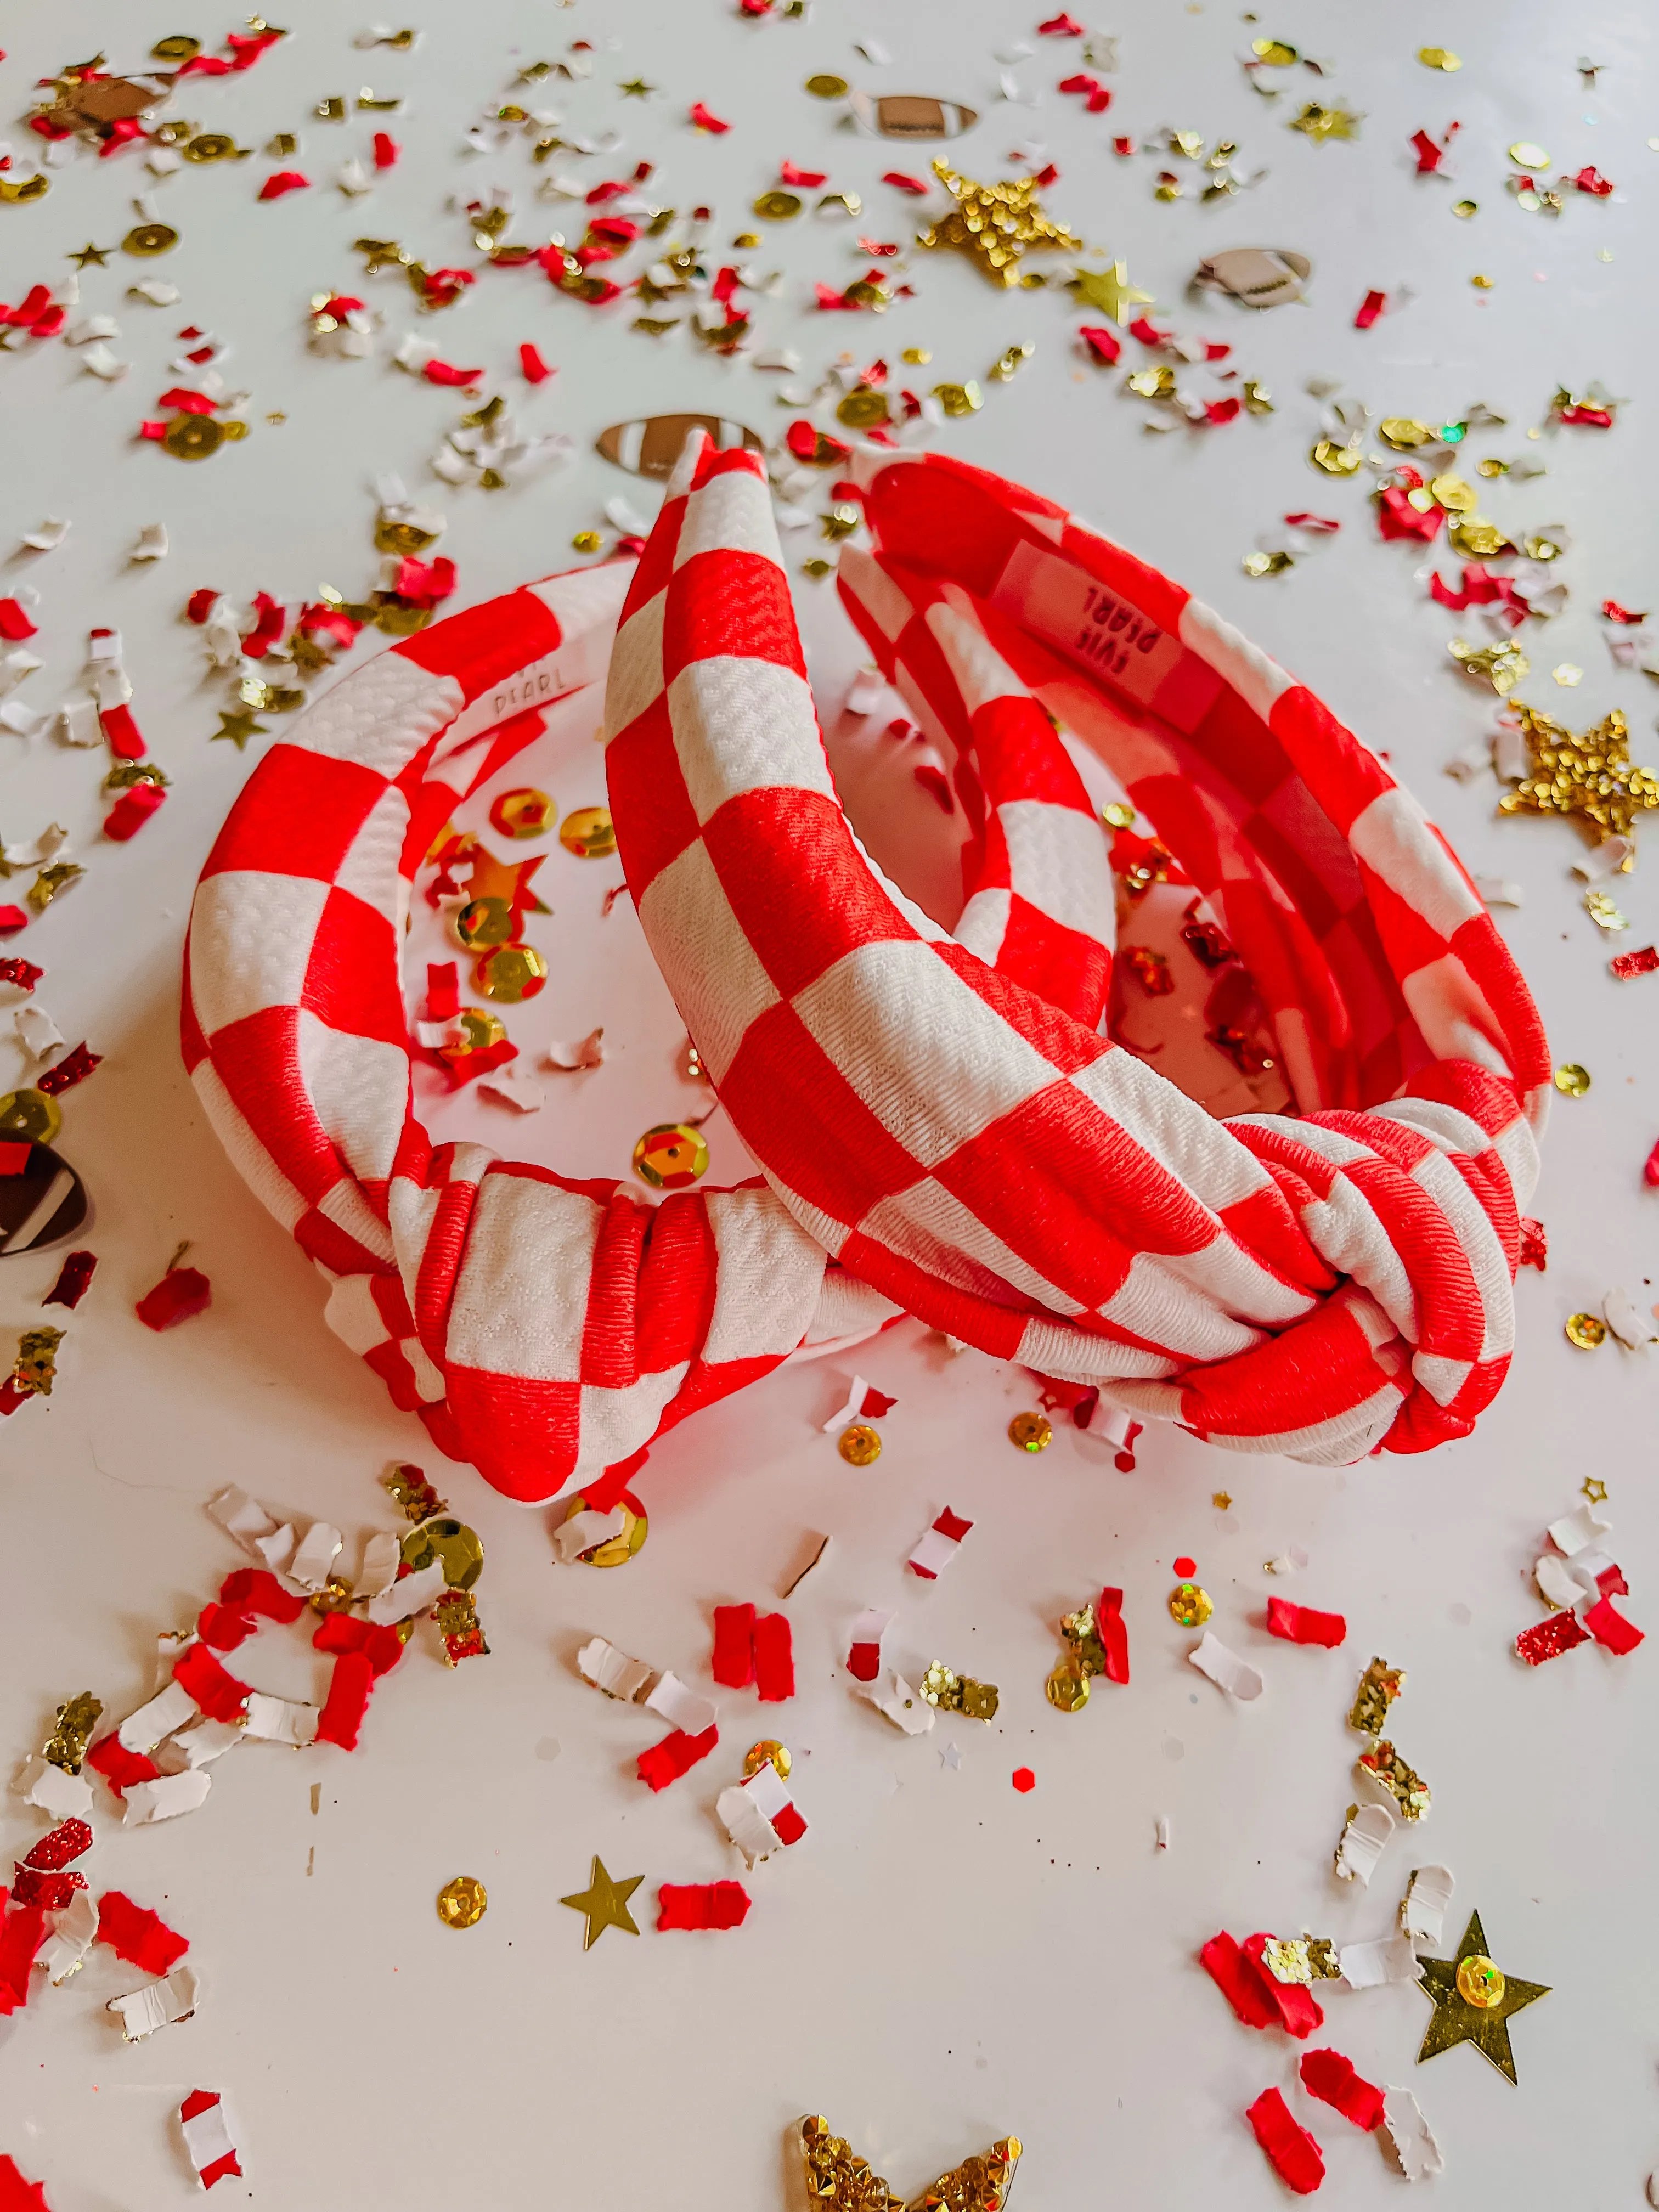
column 510, row 972
column 1587, row 1330
column 768, row 1752
column 1032, row 1432
column 462, row 1903
column 860, row 1445
column 1571, row 1080
column 671, row 1155
column 1190, row 1604
column 589, row 832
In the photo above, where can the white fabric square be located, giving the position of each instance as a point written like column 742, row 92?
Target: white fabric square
column 251, row 934
column 744, row 726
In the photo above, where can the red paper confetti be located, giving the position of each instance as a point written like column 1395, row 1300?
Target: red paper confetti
column 12, row 918
column 876, row 1403
column 21, row 1934
column 699, row 1905
column 444, row 372
column 1321, row 523
column 219, row 1694
column 74, row 1067
column 1104, row 343
column 1548, row 1639
column 1184, row 1568
column 675, row 1755
column 1397, row 518
column 73, row 1278
column 122, row 733
column 386, row 150
column 181, row 1294
column 704, row 121
column 774, row 1660
column 535, row 369
column 1370, row 308
column 1588, row 418
column 1329, row 2076
column 14, row 624
column 901, row 183
column 283, row 181
column 136, row 1933
column 132, row 810
column 1238, row 1981
column 347, row 1701
column 1291, row 2151
column 1610, row 608
column 1623, row 964
column 250, row 1591
column 1535, row 1245
column 1298, row 2009
column 342, row 1632
column 1593, row 182
column 1113, row 1635
column 732, row 1664
column 1650, row 1172
column 1609, row 1627
column 17, row 2195
column 1024, row 1780
column 1300, row 1624
column 1097, row 95
column 120, row 1767
column 22, row 972
column 1059, row 26
column 808, row 180
column 69, row 1839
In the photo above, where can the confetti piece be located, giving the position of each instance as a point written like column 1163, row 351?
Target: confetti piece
column 1408, row 2133
column 705, row 120
column 1329, row 2076
column 142, row 1938
column 1225, row 1669
column 1301, row 1623
column 1423, row 1909
column 899, row 1701
column 1548, row 1639
column 166, row 1798
column 1370, row 1965
column 760, row 1815
column 1367, row 1829
column 283, row 181
column 534, row 370
column 864, row 1654
column 158, row 2004
column 1290, row 2149
column 1241, row 1982
column 733, row 1662
column 939, row 1546
column 677, row 1754
column 1024, row 1780
column 709, row 1905
column 586, row 1532
column 1610, row 1628
column 213, row 2149
column 1369, row 310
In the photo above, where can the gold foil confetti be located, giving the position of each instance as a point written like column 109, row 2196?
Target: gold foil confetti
column 483, row 922
column 1379, row 1686
column 918, row 357
column 1267, row 564
column 1274, row 53
column 457, row 1616
column 1592, row 778
column 841, row 2182
column 1405, row 433
column 411, row 1490
column 1067, row 1687
column 1118, row 814
column 958, row 399
column 462, row 1903
column 1320, row 124
column 1502, row 666
column 1108, row 290
column 671, row 1155
column 35, row 1369
column 1011, row 362
column 586, row 541
column 49, row 882
column 1587, row 1330
column 1190, row 1604
column 1439, row 57
column 589, row 833
column 1603, row 912
column 1301, row 1961
column 958, row 1693
column 17, row 191
column 1474, row 2001
column 860, row 1445
column 66, row 1747
column 1465, row 208
column 1032, row 1432
column 1408, row 1788
column 178, row 47
column 604, row 1903
column 1568, row 674
column 997, row 224
column 768, row 1752
column 1336, row 460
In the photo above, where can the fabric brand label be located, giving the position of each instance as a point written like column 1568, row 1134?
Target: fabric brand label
column 1092, row 625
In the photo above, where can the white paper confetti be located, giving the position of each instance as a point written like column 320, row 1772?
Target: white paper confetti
column 78, row 723
column 612, row 1671
column 864, row 1643
column 1557, row 1584
column 151, row 543
column 1408, row 2131
column 142, row 1730
column 749, row 1811
column 897, row 1700
column 1226, row 1669
column 314, row 1555
column 413, row 1594
column 382, row 1556
column 1369, row 1965
column 510, row 1088
column 584, row 1532
column 166, row 1798
column 158, row 2004
column 61, row 1796
column 1633, row 1329
column 155, row 292
column 1423, row 1908
column 280, row 1720
column 74, row 1931
column 1163, row 1831
column 91, row 327
column 682, row 1708
column 25, row 721
column 1574, row 1530
column 15, row 666
column 47, row 535
column 1368, row 1829
column 99, row 361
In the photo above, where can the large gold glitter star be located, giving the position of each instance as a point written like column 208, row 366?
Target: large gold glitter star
column 841, row 2181
column 996, row 223
column 1473, row 2000
column 605, row 1903
column 239, row 727
column 1591, row 778
column 1109, row 289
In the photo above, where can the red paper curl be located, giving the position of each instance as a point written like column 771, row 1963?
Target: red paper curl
column 1291, row 2151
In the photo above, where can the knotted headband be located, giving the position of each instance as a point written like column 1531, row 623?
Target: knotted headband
column 543, row 1328
column 941, row 1124
column 962, row 1139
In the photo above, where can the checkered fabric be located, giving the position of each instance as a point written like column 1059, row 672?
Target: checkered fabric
column 941, row 1115
column 543, row 1329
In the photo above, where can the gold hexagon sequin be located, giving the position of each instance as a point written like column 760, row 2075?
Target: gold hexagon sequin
column 768, row 1750
column 525, row 812
column 193, row 437
column 30, row 1116
column 510, row 972
column 483, row 922
column 1190, row 1604
column 483, row 1029
column 1587, row 1330
column 589, row 833
column 860, row 1445
column 1067, row 1688
column 1032, row 1432
column 463, row 1903
column 616, row 1551
column 672, row 1155
column 1572, row 1079
column 450, row 1542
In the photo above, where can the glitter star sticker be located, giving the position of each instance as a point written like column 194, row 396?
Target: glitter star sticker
column 996, row 223
column 636, row 88
column 91, row 255
column 1473, row 2000
column 605, row 1903
column 1594, row 1489
column 1591, row 778
column 1109, row 289
column 239, row 727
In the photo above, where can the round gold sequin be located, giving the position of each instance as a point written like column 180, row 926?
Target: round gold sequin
column 1404, row 433
column 586, row 541
column 510, row 974
column 1572, row 1079
column 827, row 86
column 525, row 812
column 1454, row 495
column 1465, row 208
column 1067, row 1687
column 1117, row 814
column 1587, row 1330
column 210, row 146
column 147, row 238
column 31, row 1116
column 1335, row 461
column 860, row 1445
column 179, row 46
column 454, row 1544
column 1439, row 57
column 193, row 437
column 483, row 922
column 1190, row 1604
column 483, row 1029
column 768, row 1750
column 1526, row 155
column 616, row 1551
column 863, row 408
column 958, row 399
column 462, row 1903
column 1032, row 1432
column 589, row 833
column 671, row 1155
column 777, row 207
column 1274, row 52
column 1480, row 1981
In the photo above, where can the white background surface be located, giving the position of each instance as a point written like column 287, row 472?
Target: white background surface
column 941, row 1961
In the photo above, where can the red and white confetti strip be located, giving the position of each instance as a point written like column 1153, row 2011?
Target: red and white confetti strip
column 864, row 1645
column 864, row 1403
column 760, row 1815
column 939, row 1546
column 213, row 2149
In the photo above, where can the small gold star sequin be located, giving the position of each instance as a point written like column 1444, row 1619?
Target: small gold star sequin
column 147, row 238
column 1591, row 778
column 636, row 88
column 1032, row 1432
column 239, row 727
column 996, row 223
column 672, row 1155
column 1594, row 1489
column 860, row 1445
column 1439, row 57
column 1320, row 124
column 1474, row 2001
column 462, row 1903
column 1190, row 1604
column 91, row 255
column 1587, row 1330
column 1109, row 289
column 1571, row 1080
column 768, row 1752
column 1221, row 1501
column 604, row 1903
column 510, row 974
column 589, row 833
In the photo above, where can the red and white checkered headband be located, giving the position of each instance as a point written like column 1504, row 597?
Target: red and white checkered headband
column 941, row 1125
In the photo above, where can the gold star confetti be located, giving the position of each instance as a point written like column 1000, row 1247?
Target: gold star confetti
column 1590, row 778
column 1320, row 124
column 996, row 223
column 1109, row 289
column 91, row 255
column 636, row 88
column 1594, row 1489
column 1473, row 2000
column 605, row 1903
column 239, row 727
column 1221, row 1501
